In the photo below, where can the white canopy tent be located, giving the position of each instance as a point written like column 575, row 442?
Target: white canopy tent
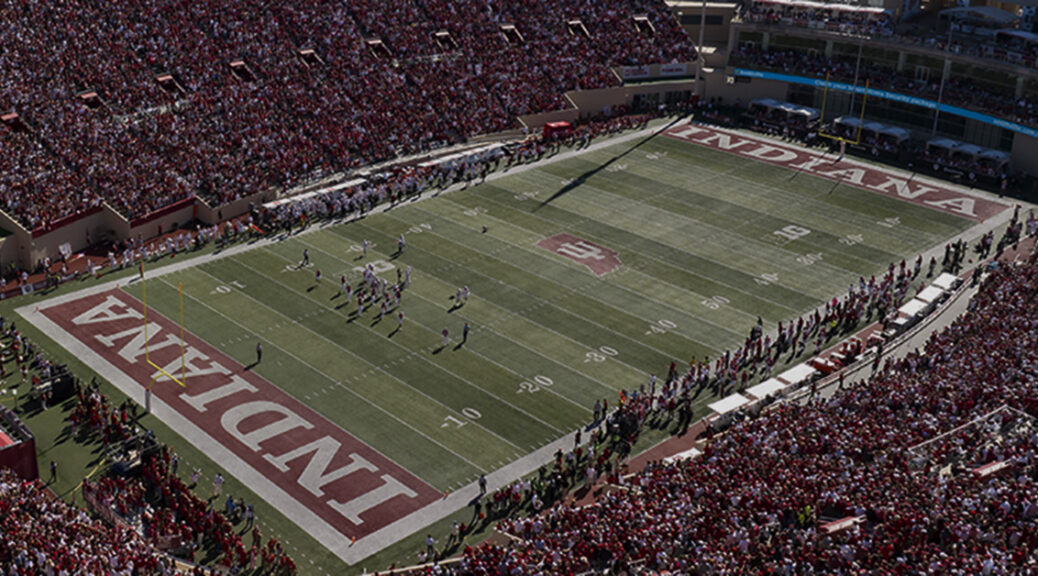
column 766, row 388
column 930, row 294
column 946, row 281
column 729, row 404
column 913, row 308
column 797, row 374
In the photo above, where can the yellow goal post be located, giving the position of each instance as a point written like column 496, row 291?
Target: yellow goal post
column 159, row 370
column 861, row 115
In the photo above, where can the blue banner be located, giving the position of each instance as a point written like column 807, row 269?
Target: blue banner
column 895, row 96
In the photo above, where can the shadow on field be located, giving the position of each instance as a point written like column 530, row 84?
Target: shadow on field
column 584, row 177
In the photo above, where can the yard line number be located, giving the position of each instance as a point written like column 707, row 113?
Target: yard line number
column 766, row 279
column 471, row 414
column 660, row 327
column 225, row 289
column 377, row 266
column 716, row 302
column 535, row 384
column 792, row 232
column 601, row 354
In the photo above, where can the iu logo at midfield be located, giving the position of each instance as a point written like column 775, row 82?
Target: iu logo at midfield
column 598, row 259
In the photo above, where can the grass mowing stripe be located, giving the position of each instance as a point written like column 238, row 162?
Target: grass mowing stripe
column 544, row 341
column 513, row 426
column 522, row 289
column 485, row 328
column 510, row 297
column 699, row 232
column 477, row 259
column 622, row 185
column 773, row 198
column 774, row 192
column 445, row 450
column 693, row 254
column 616, row 289
column 644, row 259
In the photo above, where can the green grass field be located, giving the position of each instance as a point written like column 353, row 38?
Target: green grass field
column 696, row 231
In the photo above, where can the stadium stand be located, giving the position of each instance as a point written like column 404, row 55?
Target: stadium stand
column 141, row 108
column 44, row 535
column 837, row 485
column 958, row 91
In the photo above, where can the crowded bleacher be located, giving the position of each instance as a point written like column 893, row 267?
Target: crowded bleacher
column 45, row 535
column 146, row 105
column 834, row 486
column 981, row 33
column 958, row 91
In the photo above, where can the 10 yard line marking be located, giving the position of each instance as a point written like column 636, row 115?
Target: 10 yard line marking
column 359, row 396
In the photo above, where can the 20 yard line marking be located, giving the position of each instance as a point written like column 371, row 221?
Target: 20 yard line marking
column 373, row 369
column 444, row 369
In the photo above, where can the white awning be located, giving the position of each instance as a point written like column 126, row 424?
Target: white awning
column 944, row 143
column 293, row 199
column 806, row 4
column 913, row 308
column 729, row 404
column 930, row 294
column 797, row 374
column 848, row 121
column 766, row 388
column 946, row 281
column 996, row 155
column 897, row 133
column 686, row 455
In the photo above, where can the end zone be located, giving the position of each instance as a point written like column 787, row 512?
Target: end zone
column 860, row 174
column 332, row 485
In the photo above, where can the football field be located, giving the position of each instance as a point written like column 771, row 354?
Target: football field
column 585, row 276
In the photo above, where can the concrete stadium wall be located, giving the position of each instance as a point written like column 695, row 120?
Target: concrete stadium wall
column 746, row 90
column 209, row 215
column 1025, row 154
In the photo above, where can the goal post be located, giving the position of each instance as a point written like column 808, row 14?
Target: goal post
column 159, row 370
column 861, row 115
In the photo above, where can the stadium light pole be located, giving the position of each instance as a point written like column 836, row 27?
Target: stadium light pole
column 857, row 69
column 699, row 55
column 944, row 78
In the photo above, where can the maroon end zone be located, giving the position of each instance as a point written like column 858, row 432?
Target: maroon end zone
column 851, row 172
column 346, row 483
column 598, row 259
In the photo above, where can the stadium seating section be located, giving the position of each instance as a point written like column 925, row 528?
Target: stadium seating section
column 155, row 101
column 835, row 487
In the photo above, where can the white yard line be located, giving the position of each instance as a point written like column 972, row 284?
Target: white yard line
column 655, row 259
column 420, row 357
column 544, row 302
column 556, row 283
column 334, row 381
column 346, row 350
column 431, row 330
